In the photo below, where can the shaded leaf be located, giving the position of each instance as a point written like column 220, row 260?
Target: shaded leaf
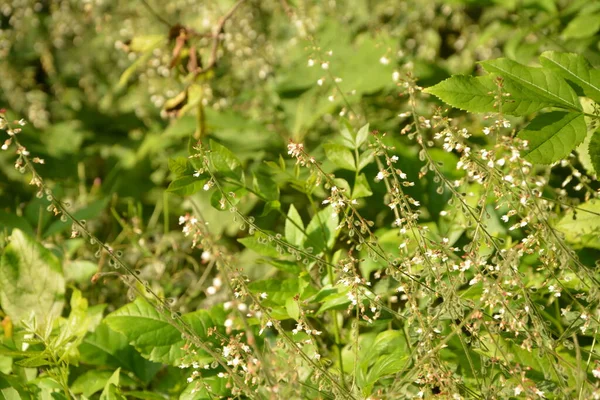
column 553, row 136
column 576, row 69
column 546, row 84
column 294, row 227
column 31, row 280
column 340, row 156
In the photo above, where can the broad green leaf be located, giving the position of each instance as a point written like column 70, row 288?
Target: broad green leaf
column 259, row 242
column 80, row 271
column 294, row 227
column 31, row 280
column 340, row 156
column 322, row 230
column 553, row 136
column 474, row 94
column 477, row 94
column 153, row 335
column 90, row 382
column 549, row 86
column 106, row 347
column 279, row 291
column 582, row 225
column 576, row 69
column 361, row 187
column 186, row 185
column 224, row 161
column 582, row 26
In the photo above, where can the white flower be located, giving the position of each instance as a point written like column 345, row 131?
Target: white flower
column 380, row 176
column 325, row 65
column 311, row 62
column 596, row 372
column 518, row 390
column 394, row 158
column 396, row 76
column 263, row 295
column 384, row 60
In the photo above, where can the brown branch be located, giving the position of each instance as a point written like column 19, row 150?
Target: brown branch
column 212, row 62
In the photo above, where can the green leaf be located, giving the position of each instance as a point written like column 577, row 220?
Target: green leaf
column 265, row 186
column 582, row 26
column 278, row 291
column 292, row 308
column 340, row 156
column 198, row 390
column 294, row 227
column 106, row 347
column 153, row 335
column 270, row 206
column 594, row 151
column 90, row 382
column 348, row 134
column 180, row 166
column 186, row 185
column 362, row 136
column 111, row 389
column 552, row 136
column 260, row 243
column 582, row 225
column 365, row 158
column 31, row 280
column 361, row 187
column 575, row 69
column 10, row 221
column 322, row 230
column 224, row 161
column 549, row 86
column 477, row 94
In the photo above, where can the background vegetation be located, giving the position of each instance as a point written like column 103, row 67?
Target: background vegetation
column 257, row 199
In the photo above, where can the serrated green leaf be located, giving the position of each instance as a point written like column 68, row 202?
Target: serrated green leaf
column 477, row 94
column 153, row 335
column 31, row 281
column 294, row 227
column 340, row 156
column 553, row 136
column 546, row 84
column 322, row 230
column 224, row 161
column 576, row 69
